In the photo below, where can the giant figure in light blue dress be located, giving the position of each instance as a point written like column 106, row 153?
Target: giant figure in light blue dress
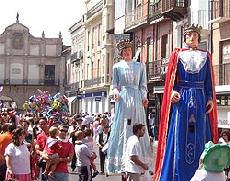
column 129, row 80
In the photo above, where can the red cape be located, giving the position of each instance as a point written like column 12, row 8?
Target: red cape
column 165, row 110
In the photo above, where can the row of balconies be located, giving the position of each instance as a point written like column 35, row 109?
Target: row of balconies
column 76, row 56
column 95, row 9
column 46, row 82
column 103, row 80
column 176, row 10
column 220, row 10
column 157, row 70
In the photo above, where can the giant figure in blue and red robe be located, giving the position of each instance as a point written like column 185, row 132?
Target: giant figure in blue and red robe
column 188, row 113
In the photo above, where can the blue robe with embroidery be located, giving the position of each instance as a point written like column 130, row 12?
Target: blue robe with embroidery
column 189, row 126
column 129, row 79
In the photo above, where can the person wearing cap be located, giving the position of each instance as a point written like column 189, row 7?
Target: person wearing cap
column 130, row 95
column 188, row 112
column 213, row 161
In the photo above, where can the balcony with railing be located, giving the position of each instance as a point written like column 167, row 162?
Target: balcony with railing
column 137, row 17
column 76, row 57
column 220, row 11
column 95, row 9
column 93, row 82
column 174, row 9
column 157, row 69
column 201, row 18
column 155, row 11
column 222, row 72
column 72, row 87
column 30, row 82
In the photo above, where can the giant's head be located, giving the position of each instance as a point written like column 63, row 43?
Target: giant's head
column 125, row 49
column 192, row 35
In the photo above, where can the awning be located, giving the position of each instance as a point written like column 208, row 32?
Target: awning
column 71, row 99
column 224, row 126
column 222, row 89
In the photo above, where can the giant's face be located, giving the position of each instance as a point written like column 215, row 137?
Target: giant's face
column 127, row 53
column 192, row 39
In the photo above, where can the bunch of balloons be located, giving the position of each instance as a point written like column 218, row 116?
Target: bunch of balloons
column 43, row 102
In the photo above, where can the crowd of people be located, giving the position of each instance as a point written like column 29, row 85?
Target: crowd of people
column 34, row 147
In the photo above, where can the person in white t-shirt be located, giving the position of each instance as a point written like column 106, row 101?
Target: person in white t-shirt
column 134, row 165
column 18, row 157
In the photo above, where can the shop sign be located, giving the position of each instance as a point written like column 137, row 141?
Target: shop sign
column 97, row 98
column 226, row 53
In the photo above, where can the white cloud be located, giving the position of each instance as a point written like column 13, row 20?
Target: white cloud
column 52, row 16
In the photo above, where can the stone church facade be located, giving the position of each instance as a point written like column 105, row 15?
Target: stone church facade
column 28, row 63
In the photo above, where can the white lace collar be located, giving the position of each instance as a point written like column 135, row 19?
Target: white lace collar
column 193, row 60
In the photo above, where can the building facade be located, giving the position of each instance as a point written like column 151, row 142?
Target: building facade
column 220, row 22
column 74, row 67
column 28, row 63
column 98, row 51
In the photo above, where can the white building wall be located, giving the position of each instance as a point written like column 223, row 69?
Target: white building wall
column 119, row 16
column 199, row 12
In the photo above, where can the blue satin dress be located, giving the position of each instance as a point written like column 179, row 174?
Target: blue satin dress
column 189, row 126
column 130, row 79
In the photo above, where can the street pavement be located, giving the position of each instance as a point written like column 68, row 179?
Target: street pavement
column 74, row 177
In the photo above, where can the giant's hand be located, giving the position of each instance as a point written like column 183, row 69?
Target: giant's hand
column 175, row 97
column 145, row 103
column 116, row 96
column 209, row 106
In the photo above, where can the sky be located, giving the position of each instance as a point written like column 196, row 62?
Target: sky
column 50, row 16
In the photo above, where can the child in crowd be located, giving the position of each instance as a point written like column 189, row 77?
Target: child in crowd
column 51, row 149
column 88, row 140
column 84, row 157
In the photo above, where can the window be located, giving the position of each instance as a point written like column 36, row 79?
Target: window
column 98, row 68
column 93, row 31
column 92, row 74
column 49, row 74
column 226, row 52
column 18, row 41
column 108, row 63
column 139, row 10
column 150, row 49
column 164, row 46
column 99, row 35
column 87, row 72
column 88, row 40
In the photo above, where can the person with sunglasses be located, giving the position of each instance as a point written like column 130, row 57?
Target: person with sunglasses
column 65, row 154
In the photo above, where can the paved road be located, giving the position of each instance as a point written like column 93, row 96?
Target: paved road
column 74, row 176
